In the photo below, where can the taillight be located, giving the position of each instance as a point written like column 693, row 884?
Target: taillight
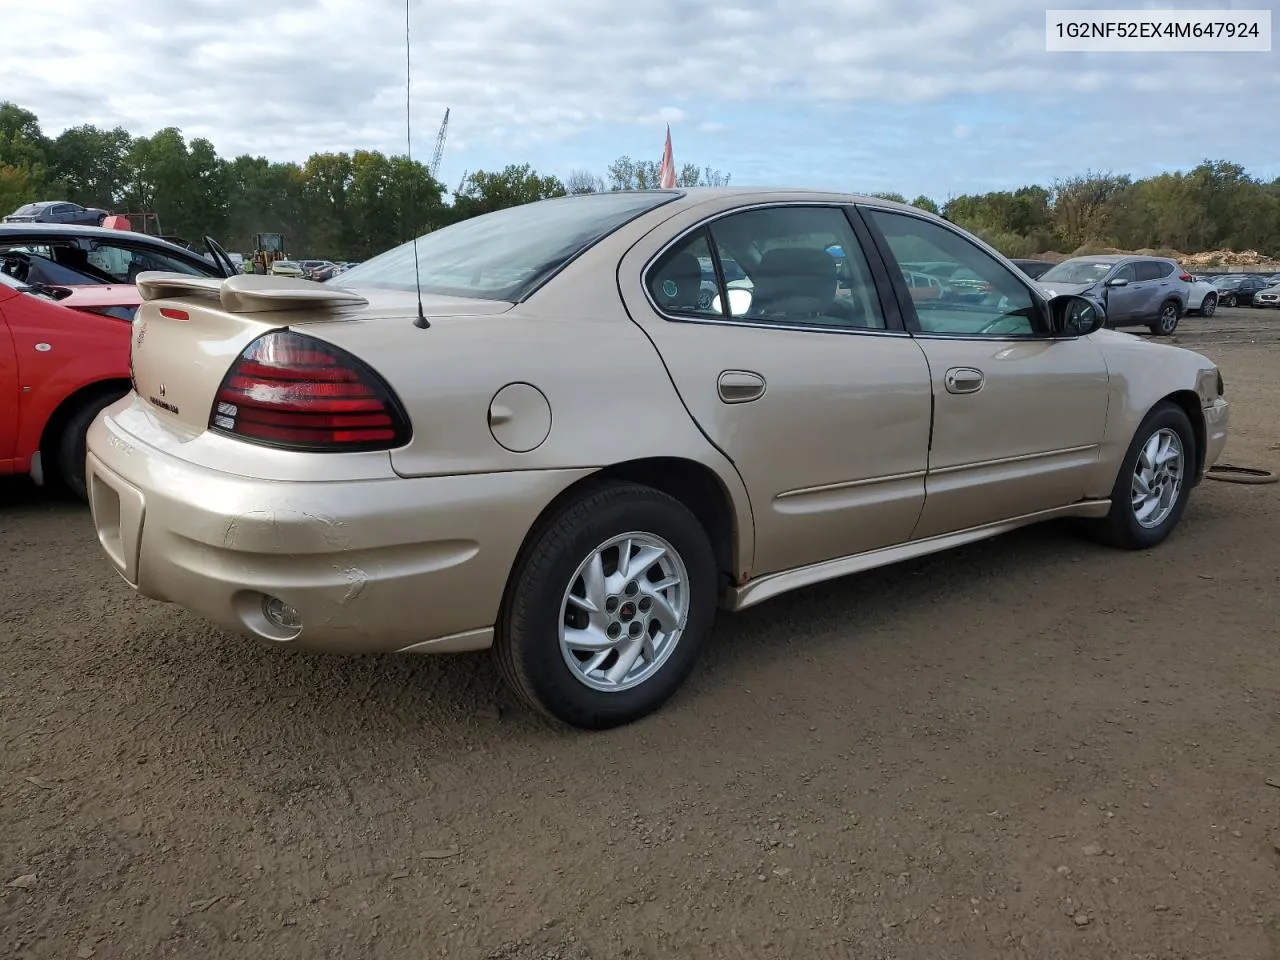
column 1184, row 277
column 290, row 390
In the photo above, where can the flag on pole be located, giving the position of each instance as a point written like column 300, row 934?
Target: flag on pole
column 667, row 171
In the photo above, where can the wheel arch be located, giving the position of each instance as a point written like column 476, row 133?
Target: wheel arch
column 696, row 485
column 1188, row 401
column 72, row 402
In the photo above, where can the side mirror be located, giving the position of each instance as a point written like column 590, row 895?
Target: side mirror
column 1073, row 316
column 1117, row 282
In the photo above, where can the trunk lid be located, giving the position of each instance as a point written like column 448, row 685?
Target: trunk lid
column 190, row 330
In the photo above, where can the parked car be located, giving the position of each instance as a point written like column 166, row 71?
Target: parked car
column 1268, row 297
column 1238, row 289
column 316, row 269
column 40, row 253
column 532, row 433
column 64, row 355
column 1202, row 298
column 286, row 268
column 58, row 211
column 1033, row 268
column 1150, row 292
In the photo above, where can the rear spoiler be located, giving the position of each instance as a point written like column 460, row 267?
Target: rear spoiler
column 249, row 292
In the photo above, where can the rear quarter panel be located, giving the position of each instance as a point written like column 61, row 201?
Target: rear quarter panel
column 58, row 352
column 610, row 397
column 1142, row 374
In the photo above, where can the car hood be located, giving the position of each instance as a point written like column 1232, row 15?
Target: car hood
column 1056, row 289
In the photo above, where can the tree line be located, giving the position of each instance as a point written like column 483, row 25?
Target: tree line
column 354, row 205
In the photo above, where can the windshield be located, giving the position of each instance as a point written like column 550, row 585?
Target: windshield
column 1076, row 271
column 1226, row 281
column 506, row 254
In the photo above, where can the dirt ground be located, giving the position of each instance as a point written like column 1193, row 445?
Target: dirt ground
column 1034, row 747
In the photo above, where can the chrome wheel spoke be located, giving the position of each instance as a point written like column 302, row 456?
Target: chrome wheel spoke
column 593, row 581
column 666, row 615
column 590, row 640
column 627, row 657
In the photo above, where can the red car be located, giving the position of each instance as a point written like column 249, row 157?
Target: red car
column 64, row 355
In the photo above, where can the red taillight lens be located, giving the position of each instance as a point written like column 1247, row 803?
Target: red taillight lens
column 1184, row 277
column 290, row 390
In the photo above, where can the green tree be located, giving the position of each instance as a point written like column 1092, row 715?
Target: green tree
column 482, row 192
column 90, row 164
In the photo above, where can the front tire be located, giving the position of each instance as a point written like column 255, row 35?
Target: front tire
column 71, row 443
column 1153, row 486
column 1167, row 322
column 608, row 608
column 1229, row 300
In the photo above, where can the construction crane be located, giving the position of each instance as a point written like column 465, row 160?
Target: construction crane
column 439, row 151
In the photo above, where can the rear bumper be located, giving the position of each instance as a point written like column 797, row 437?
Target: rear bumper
column 371, row 566
column 1217, row 416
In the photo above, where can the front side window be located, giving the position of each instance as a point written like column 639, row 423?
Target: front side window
column 979, row 296
column 506, row 254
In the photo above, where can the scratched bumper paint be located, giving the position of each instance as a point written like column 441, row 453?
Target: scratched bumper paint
column 371, row 565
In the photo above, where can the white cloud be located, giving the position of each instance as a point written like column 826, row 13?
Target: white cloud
column 286, row 80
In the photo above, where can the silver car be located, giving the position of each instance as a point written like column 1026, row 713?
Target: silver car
column 1138, row 291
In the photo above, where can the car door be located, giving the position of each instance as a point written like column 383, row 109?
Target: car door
column 1018, row 414
column 820, row 399
column 9, row 391
column 1124, row 301
column 1153, row 284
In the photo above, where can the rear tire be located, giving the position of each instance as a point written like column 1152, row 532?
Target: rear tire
column 1167, row 322
column 555, row 655
column 1149, row 498
column 1210, row 305
column 70, row 449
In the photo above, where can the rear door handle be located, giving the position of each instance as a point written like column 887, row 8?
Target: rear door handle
column 740, row 386
column 964, row 380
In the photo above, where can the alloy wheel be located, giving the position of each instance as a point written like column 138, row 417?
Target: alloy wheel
column 624, row 612
column 1157, row 478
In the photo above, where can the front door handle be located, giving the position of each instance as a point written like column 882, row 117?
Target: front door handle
column 740, row 386
column 964, row 380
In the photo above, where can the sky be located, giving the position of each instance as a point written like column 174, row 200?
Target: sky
column 911, row 96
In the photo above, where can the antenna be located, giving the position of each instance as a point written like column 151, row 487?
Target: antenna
column 421, row 320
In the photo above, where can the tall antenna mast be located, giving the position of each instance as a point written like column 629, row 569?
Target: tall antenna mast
column 421, row 320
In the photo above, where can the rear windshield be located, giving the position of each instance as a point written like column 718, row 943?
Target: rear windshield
column 506, row 254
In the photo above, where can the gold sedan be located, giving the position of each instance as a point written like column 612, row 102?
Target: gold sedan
column 558, row 431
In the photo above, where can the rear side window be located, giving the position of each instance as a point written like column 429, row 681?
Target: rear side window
column 1149, row 270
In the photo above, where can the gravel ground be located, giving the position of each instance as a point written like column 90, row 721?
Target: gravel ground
column 1033, row 747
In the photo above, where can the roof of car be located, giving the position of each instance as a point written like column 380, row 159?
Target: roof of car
column 53, row 230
